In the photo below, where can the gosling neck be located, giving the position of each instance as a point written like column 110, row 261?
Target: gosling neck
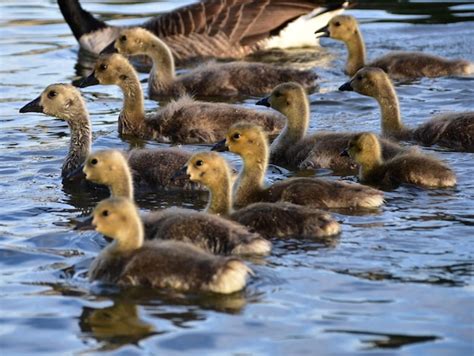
column 356, row 53
column 251, row 178
column 133, row 111
column 369, row 163
column 122, row 184
column 81, row 138
column 390, row 111
column 129, row 237
column 295, row 128
column 163, row 71
column 220, row 199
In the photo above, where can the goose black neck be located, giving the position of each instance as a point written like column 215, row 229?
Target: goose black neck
column 80, row 21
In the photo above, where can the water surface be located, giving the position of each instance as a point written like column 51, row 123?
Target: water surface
column 399, row 280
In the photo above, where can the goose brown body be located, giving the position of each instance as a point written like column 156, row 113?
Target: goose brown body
column 224, row 29
column 183, row 121
column 131, row 261
column 398, row 65
column 250, row 143
column 294, row 148
column 212, row 79
column 280, row 219
column 209, row 232
column 452, row 130
column 409, row 168
column 65, row 102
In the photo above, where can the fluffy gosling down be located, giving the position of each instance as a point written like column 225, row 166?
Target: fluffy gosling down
column 181, row 121
column 269, row 219
column 131, row 261
column 65, row 102
column 294, row 148
column 209, row 232
column 250, row 142
column 398, row 65
column 214, row 79
column 409, row 168
column 452, row 130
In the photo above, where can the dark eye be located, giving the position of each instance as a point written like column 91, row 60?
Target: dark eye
column 236, row 136
column 359, row 77
column 52, row 94
column 94, row 161
column 105, row 213
column 199, row 163
column 337, row 24
column 277, row 94
column 103, row 67
column 123, row 38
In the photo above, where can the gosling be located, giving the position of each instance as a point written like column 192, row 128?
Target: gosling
column 293, row 148
column 182, row 121
column 209, row 232
column 269, row 219
column 454, row 130
column 398, row 65
column 228, row 79
column 250, row 142
column 409, row 168
column 131, row 261
column 65, row 102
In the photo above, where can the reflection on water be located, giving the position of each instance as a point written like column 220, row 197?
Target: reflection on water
column 398, row 277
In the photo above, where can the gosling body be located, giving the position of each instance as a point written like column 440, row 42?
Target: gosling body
column 65, row 102
column 269, row 219
column 131, row 261
column 209, row 232
column 454, row 130
column 407, row 168
column 398, row 65
column 251, row 144
column 183, row 121
column 212, row 79
column 295, row 149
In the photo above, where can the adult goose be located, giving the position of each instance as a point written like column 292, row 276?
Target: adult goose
column 453, row 130
column 212, row 79
column 409, row 168
column 215, row 28
column 131, row 261
column 269, row 219
column 152, row 168
column 398, row 65
column 209, row 232
column 249, row 142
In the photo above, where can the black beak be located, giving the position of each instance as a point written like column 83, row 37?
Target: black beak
column 344, row 153
column 88, row 81
column 263, row 102
column 109, row 49
column 220, row 146
column 323, row 32
column 32, row 106
column 346, row 87
column 181, row 174
column 85, row 224
column 76, row 173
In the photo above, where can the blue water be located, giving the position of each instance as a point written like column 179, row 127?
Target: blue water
column 396, row 281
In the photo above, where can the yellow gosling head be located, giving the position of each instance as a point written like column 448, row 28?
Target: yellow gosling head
column 60, row 100
column 133, row 41
column 247, row 140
